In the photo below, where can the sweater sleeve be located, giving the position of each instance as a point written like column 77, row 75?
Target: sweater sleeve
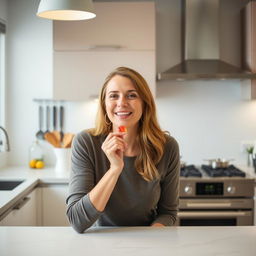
column 169, row 200
column 80, row 211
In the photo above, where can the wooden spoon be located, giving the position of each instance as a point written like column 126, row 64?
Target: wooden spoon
column 51, row 138
column 67, row 140
column 57, row 135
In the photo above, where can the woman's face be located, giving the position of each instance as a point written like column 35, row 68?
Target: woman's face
column 123, row 104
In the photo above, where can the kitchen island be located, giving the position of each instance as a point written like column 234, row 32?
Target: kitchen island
column 139, row 241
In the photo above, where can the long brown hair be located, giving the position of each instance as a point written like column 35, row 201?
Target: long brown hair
column 150, row 136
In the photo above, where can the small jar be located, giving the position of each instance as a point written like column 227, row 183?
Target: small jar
column 36, row 156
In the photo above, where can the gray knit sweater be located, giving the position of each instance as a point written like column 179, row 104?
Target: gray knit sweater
column 134, row 201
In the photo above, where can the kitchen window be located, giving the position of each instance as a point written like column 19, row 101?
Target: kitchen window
column 2, row 73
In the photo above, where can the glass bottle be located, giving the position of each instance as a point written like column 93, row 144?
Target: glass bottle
column 36, row 156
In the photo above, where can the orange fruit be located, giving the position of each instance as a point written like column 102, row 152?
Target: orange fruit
column 32, row 163
column 39, row 164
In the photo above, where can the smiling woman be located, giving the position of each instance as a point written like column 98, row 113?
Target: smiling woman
column 124, row 177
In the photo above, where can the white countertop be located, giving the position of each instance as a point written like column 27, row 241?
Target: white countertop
column 45, row 175
column 250, row 172
column 139, row 241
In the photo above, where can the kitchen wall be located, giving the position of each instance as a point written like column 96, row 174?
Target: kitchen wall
column 208, row 118
column 29, row 74
column 3, row 10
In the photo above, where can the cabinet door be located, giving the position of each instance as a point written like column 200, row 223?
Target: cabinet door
column 24, row 213
column 54, row 206
column 12, row 219
column 249, row 49
column 79, row 75
column 127, row 25
column 249, row 39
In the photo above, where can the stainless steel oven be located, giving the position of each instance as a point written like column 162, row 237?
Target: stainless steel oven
column 215, row 212
column 218, row 201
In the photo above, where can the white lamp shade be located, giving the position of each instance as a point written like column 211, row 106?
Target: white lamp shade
column 66, row 9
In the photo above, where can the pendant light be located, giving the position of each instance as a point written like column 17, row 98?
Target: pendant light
column 66, row 9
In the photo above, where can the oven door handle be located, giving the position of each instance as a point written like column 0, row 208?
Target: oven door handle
column 214, row 214
column 208, row 205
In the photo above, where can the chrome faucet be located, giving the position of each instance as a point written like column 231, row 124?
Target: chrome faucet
column 7, row 146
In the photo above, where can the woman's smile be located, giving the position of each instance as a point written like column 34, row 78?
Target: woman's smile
column 123, row 114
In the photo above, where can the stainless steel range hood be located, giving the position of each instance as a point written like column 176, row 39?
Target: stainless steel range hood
column 201, row 45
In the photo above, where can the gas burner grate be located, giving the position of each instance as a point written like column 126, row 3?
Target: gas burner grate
column 230, row 171
column 190, row 170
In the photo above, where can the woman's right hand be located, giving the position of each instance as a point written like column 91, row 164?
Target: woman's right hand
column 114, row 146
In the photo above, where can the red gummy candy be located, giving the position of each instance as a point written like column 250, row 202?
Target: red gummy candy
column 122, row 128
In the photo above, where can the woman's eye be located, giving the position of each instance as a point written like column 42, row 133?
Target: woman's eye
column 113, row 96
column 132, row 96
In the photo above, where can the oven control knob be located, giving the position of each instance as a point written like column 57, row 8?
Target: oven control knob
column 231, row 189
column 188, row 189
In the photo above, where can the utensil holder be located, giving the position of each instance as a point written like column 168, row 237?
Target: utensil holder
column 63, row 160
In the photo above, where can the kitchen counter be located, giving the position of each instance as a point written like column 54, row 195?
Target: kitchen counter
column 250, row 172
column 35, row 177
column 142, row 241
column 47, row 175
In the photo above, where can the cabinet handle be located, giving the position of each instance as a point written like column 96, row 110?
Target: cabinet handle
column 104, row 47
column 21, row 203
column 208, row 205
column 215, row 214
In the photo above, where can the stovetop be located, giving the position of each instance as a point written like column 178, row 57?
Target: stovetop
column 230, row 171
column 190, row 170
column 201, row 182
column 206, row 170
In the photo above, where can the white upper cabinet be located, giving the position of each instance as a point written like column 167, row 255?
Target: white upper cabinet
column 126, row 25
column 85, row 52
column 80, row 75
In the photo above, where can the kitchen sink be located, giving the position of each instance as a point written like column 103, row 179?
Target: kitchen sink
column 9, row 184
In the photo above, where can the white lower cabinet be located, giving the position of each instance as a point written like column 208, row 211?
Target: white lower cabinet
column 24, row 212
column 53, row 205
column 44, row 206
